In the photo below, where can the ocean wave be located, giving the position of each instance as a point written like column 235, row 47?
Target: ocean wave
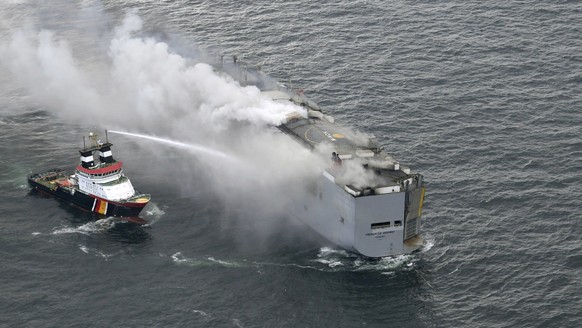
column 89, row 228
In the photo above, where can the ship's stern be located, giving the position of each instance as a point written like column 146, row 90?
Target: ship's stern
column 388, row 224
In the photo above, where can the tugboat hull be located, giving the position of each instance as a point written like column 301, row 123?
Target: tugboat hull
column 88, row 202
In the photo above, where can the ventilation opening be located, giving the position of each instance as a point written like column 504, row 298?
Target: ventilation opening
column 411, row 228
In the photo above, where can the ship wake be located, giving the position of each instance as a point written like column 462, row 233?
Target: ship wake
column 327, row 260
column 89, row 228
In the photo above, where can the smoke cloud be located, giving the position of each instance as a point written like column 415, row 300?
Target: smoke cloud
column 140, row 85
column 140, row 82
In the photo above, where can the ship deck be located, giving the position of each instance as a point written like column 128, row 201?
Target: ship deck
column 319, row 128
column 51, row 178
column 346, row 143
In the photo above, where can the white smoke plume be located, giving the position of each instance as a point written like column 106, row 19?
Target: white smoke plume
column 141, row 86
column 141, row 82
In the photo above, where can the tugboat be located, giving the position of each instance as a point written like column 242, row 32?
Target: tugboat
column 97, row 187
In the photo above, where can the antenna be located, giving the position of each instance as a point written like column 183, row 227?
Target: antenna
column 106, row 137
column 84, row 142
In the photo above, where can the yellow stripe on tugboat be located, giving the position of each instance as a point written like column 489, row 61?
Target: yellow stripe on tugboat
column 102, row 207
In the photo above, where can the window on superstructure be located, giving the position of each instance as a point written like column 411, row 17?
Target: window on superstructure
column 380, row 225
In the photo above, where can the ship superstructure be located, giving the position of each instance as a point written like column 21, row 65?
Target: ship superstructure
column 98, row 186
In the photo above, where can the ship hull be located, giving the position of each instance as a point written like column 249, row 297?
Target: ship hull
column 373, row 225
column 88, row 202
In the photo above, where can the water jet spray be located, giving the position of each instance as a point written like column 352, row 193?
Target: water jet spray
column 199, row 149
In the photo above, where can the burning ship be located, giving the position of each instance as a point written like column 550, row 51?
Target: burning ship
column 379, row 218
column 99, row 187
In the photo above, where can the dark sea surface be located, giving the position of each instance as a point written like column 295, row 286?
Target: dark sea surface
column 482, row 97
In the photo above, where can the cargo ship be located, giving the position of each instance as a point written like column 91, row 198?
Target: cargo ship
column 96, row 186
column 377, row 216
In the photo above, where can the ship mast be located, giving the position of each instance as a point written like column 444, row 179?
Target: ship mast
column 105, row 155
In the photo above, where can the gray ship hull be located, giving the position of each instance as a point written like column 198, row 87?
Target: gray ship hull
column 372, row 225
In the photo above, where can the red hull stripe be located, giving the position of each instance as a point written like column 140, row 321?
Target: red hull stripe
column 103, row 170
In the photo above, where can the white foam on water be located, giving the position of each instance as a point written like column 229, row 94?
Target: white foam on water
column 333, row 260
column 237, row 323
column 154, row 210
column 36, row 233
column 331, row 263
column 428, row 245
column 87, row 250
column 341, row 260
column 335, row 264
column 178, row 257
column 385, row 263
column 153, row 214
column 103, row 255
column 295, row 265
column 337, row 258
column 69, row 230
column 226, row 263
column 327, row 251
column 88, row 228
column 388, row 273
column 202, row 313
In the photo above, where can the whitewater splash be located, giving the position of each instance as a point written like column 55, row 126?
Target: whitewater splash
column 153, row 214
column 328, row 260
column 341, row 260
column 89, row 228
column 178, row 144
